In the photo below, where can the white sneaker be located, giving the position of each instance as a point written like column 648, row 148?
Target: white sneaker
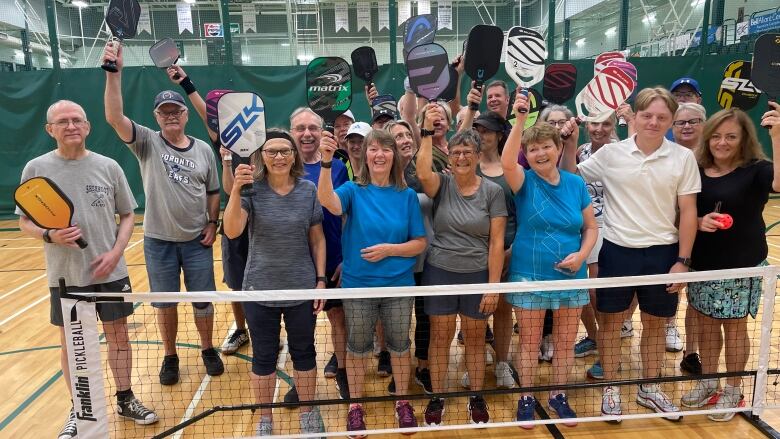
column 69, row 429
column 652, row 397
column 237, row 339
column 627, row 330
column 610, row 403
column 704, row 392
column 488, row 357
column 546, row 349
column 504, row 378
column 464, row 381
column 673, row 341
column 731, row 397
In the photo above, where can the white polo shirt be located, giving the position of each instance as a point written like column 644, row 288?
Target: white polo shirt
column 640, row 192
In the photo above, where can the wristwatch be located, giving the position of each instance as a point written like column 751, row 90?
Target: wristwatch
column 322, row 279
column 326, row 165
column 215, row 222
column 684, row 261
column 46, row 237
column 424, row 132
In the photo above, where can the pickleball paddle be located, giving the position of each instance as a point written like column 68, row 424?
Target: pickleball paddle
column 122, row 19
column 632, row 72
column 429, row 70
column 603, row 58
column 483, row 54
column 736, row 89
column 241, row 118
column 212, row 98
column 45, row 204
column 560, row 82
column 524, row 57
column 765, row 71
column 417, row 30
column 329, row 88
column 365, row 65
column 164, row 54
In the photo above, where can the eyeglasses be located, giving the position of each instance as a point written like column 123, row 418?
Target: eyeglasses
column 166, row 114
column 303, row 128
column 684, row 94
column 691, row 122
column 557, row 123
column 272, row 153
column 465, row 154
column 64, row 123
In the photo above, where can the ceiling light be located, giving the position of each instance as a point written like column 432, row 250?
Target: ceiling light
column 189, row 1
column 285, row 44
column 611, row 31
column 696, row 3
column 79, row 3
column 649, row 18
column 580, row 42
column 305, row 58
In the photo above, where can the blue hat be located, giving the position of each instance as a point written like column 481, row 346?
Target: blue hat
column 690, row 81
column 168, row 97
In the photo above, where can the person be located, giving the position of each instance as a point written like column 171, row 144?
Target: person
column 555, row 115
column 99, row 190
column 306, row 129
column 340, row 127
column 556, row 232
column 181, row 184
column 497, row 97
column 688, row 124
column 439, row 137
column 468, row 247
column 286, row 251
column 381, row 116
column 736, row 181
column 379, row 247
column 650, row 187
column 354, row 141
column 686, row 90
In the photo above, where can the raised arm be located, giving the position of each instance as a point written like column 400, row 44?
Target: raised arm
column 570, row 133
column 772, row 118
column 235, row 218
column 177, row 75
column 430, row 180
column 513, row 172
column 460, row 68
column 474, row 96
column 325, row 192
column 409, row 114
column 112, row 99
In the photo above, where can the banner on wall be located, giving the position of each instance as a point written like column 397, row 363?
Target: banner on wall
column 341, row 16
column 364, row 15
column 763, row 23
column 248, row 20
column 404, row 10
column 423, row 7
column 184, row 17
column 383, row 21
column 445, row 14
column 145, row 21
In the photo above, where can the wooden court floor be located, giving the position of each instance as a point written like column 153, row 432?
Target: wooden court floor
column 34, row 399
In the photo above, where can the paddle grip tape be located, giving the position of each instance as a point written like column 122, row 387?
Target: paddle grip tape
column 524, row 92
column 478, row 87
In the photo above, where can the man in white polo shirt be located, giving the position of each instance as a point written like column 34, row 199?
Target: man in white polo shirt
column 647, row 181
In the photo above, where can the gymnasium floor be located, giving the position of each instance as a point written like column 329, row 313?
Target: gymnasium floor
column 35, row 401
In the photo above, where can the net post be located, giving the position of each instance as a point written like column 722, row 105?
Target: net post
column 392, row 10
column 51, row 21
column 227, row 37
column 760, row 384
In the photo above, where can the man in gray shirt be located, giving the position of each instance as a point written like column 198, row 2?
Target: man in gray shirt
column 182, row 206
column 98, row 189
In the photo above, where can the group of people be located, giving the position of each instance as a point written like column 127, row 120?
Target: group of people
column 410, row 205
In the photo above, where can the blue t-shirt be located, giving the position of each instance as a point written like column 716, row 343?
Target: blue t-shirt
column 377, row 215
column 331, row 224
column 549, row 226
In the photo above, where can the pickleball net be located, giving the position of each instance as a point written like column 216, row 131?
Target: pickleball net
column 199, row 405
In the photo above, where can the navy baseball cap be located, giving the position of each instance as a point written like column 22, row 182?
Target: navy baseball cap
column 168, row 97
column 689, row 81
column 490, row 120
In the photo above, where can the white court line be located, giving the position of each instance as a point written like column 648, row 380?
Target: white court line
column 22, row 286
column 23, row 310
column 21, row 248
column 18, row 239
column 772, row 258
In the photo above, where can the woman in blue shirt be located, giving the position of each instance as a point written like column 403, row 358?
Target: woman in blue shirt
column 383, row 232
column 556, row 230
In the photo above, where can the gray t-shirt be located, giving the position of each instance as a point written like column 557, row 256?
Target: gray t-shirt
column 279, row 252
column 176, row 183
column 461, row 225
column 98, row 189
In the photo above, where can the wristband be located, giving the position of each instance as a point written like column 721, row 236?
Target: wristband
column 187, row 85
column 326, row 165
column 322, row 279
column 425, row 133
column 215, row 222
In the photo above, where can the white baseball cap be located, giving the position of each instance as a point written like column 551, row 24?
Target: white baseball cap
column 348, row 114
column 360, row 128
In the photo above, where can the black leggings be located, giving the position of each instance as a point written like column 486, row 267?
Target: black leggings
column 422, row 328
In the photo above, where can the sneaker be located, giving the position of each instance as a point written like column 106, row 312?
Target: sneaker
column 405, row 415
column 434, row 412
column 595, row 372
column 489, row 337
column 585, row 347
column 423, row 378
column 560, row 403
column 504, row 378
column 526, row 407
column 213, row 363
column 342, row 383
column 377, row 346
column 704, row 392
column 69, row 430
column 169, row 372
column 384, row 368
column 332, row 367
column 610, row 403
column 516, row 329
column 265, row 427
column 478, row 410
column 652, row 397
column 673, row 341
column 546, row 349
column 291, row 397
column 691, row 363
column 238, row 338
column 731, row 397
column 355, row 420
column 627, row 330
column 133, row 409
column 488, row 357
column 391, row 387
column 311, row 421
column 460, row 338
column 464, row 380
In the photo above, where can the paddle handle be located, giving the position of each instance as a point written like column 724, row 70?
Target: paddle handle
column 622, row 122
column 769, row 108
column 328, row 126
column 247, row 190
column 477, row 86
column 109, row 66
column 576, row 119
column 524, row 92
column 81, row 243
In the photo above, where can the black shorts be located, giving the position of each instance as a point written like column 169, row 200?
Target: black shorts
column 615, row 261
column 107, row 311
column 463, row 304
column 331, row 303
column 234, row 254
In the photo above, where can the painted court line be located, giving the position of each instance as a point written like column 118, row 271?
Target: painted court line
column 22, row 286
column 23, row 310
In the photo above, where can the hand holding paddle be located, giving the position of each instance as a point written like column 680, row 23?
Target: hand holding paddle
column 328, row 146
column 771, row 120
column 474, row 98
column 484, row 57
column 520, row 107
column 243, row 177
column 765, row 70
column 112, row 54
column 47, row 206
column 122, row 19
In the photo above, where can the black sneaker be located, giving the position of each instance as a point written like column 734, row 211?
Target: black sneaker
column 342, row 384
column 69, row 430
column 331, row 367
column 291, row 397
column 460, row 338
column 489, row 337
column 691, row 363
column 423, row 378
column 516, row 329
column 213, row 363
column 384, row 368
column 169, row 372
column 391, row 387
column 131, row 408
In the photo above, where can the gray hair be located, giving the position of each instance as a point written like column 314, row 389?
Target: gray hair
column 693, row 107
column 300, row 110
column 550, row 108
column 53, row 107
column 468, row 137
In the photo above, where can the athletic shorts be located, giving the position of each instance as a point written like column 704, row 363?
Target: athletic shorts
column 727, row 298
column 234, row 254
column 463, row 304
column 107, row 311
column 593, row 257
column 546, row 299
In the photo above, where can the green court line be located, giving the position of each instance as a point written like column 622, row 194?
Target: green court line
column 30, row 399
